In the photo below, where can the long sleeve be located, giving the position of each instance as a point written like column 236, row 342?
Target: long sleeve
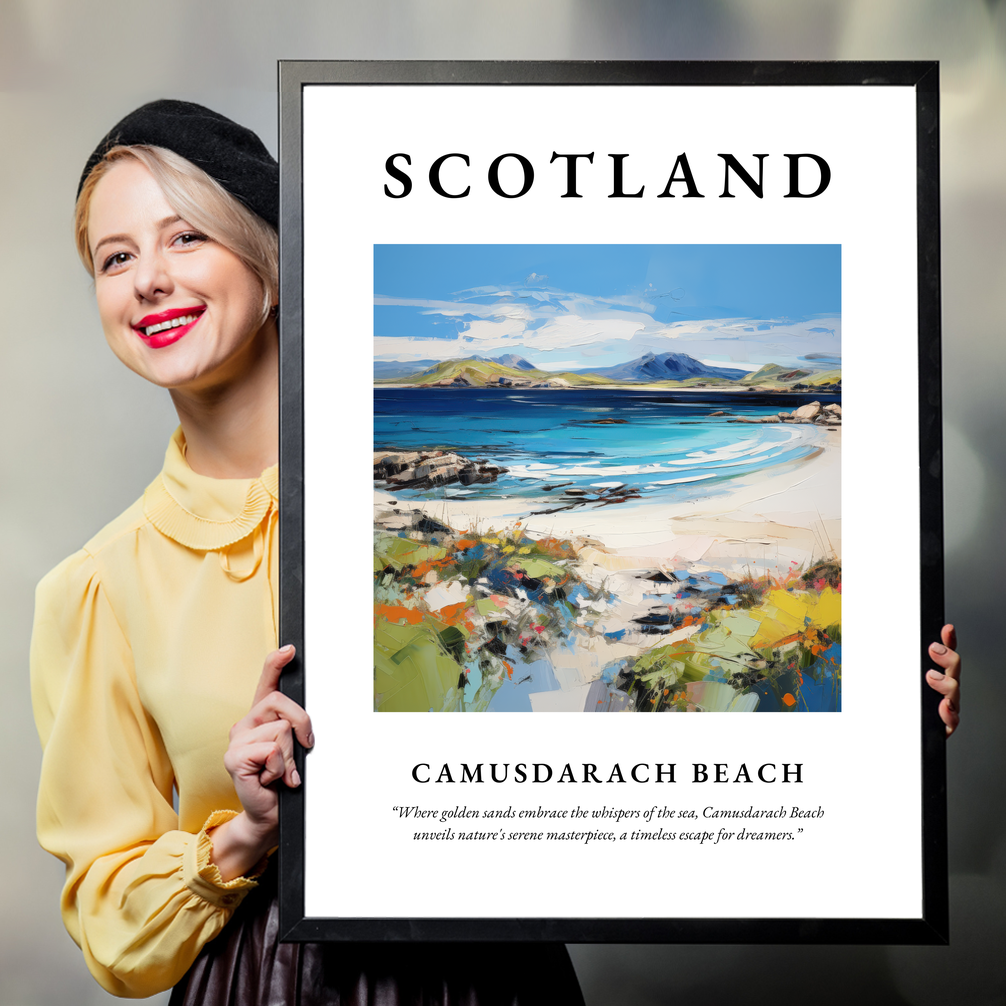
column 141, row 897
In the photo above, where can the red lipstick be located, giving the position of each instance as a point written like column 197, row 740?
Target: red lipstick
column 166, row 327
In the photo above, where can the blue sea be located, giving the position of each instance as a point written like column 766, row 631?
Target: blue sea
column 668, row 447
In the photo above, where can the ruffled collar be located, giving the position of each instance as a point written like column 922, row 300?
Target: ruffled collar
column 203, row 513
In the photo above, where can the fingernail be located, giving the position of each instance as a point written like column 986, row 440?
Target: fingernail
column 936, row 675
column 287, row 649
column 295, row 777
column 310, row 740
column 938, row 648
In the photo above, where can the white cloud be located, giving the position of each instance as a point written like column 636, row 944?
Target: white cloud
column 602, row 330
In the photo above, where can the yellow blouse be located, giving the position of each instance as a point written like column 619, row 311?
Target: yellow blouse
column 147, row 647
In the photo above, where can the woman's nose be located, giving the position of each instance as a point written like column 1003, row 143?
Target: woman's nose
column 152, row 277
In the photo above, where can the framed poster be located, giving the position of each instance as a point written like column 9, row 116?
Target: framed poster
column 612, row 388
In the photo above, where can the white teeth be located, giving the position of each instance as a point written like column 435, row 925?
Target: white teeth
column 174, row 323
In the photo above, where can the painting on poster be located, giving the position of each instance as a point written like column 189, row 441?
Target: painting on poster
column 613, row 482
column 701, row 507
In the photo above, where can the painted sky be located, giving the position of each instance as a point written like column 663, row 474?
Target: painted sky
column 564, row 307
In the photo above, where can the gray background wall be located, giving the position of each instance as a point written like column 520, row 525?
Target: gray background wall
column 81, row 436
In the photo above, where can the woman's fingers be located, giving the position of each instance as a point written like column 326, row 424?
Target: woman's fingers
column 261, row 749
column 947, row 686
column 274, row 735
column 948, row 659
column 949, row 710
column 946, row 681
column 260, row 761
column 274, row 766
column 949, row 636
column 277, row 706
column 271, row 671
column 270, row 703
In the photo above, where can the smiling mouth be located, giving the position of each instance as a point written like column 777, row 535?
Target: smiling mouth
column 177, row 321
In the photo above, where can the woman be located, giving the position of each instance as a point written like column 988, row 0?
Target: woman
column 148, row 643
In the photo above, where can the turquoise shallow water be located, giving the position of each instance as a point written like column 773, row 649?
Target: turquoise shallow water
column 667, row 446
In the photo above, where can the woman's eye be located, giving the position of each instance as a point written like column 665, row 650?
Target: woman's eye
column 190, row 238
column 114, row 261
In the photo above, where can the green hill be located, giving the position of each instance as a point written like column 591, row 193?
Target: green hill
column 772, row 372
column 476, row 371
column 482, row 372
column 774, row 376
column 825, row 377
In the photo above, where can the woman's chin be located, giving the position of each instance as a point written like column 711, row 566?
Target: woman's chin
column 197, row 365
column 173, row 374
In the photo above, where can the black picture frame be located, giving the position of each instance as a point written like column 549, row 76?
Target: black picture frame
column 931, row 926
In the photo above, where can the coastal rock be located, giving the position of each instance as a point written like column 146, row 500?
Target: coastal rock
column 430, row 466
column 386, row 464
column 401, row 478
column 812, row 414
column 427, row 469
column 473, row 475
column 444, row 475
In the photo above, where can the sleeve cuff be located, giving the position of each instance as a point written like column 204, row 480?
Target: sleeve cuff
column 202, row 876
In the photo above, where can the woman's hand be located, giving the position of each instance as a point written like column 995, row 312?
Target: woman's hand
column 260, row 753
column 947, row 682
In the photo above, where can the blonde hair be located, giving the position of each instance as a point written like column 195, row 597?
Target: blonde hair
column 199, row 200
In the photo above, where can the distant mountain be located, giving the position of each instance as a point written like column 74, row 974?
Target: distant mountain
column 388, row 370
column 773, row 372
column 665, row 367
column 514, row 361
column 674, row 368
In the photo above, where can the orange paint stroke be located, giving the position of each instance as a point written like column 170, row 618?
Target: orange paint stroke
column 396, row 612
column 454, row 614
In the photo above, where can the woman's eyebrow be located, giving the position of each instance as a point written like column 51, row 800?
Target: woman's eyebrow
column 109, row 240
column 160, row 225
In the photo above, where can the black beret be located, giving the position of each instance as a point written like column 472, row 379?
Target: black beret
column 231, row 154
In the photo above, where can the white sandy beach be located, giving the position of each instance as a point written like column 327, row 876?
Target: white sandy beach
column 784, row 515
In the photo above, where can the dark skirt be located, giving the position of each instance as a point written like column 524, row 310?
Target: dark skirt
column 246, row 965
